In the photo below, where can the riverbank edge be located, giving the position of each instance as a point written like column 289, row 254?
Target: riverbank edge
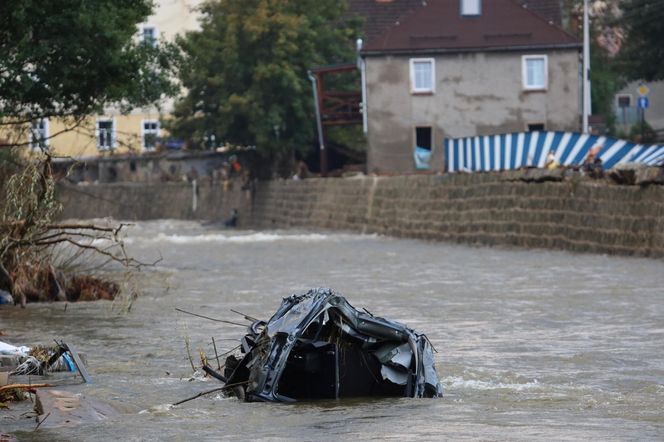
column 525, row 209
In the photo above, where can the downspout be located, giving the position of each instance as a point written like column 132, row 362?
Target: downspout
column 194, row 196
column 319, row 124
column 361, row 65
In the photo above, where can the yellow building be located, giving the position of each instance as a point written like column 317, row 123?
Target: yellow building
column 113, row 132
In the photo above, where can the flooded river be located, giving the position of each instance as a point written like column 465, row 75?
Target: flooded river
column 532, row 345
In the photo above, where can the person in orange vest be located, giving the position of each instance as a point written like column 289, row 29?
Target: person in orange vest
column 593, row 163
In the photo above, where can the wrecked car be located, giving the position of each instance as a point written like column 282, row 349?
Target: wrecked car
column 318, row 346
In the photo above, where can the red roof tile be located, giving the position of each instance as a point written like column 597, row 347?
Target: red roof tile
column 439, row 27
column 551, row 10
column 380, row 15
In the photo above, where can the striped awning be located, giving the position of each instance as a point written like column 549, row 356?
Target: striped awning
column 530, row 149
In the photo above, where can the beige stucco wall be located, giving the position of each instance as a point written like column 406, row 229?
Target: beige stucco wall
column 170, row 18
column 475, row 94
column 81, row 142
column 78, row 140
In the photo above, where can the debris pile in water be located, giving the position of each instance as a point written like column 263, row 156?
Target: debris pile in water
column 37, row 361
column 317, row 346
column 45, row 284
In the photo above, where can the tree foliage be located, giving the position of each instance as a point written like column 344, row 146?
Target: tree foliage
column 69, row 58
column 246, row 69
column 64, row 59
column 606, row 34
column 643, row 49
column 606, row 80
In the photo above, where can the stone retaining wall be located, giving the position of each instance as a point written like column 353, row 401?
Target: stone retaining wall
column 145, row 201
column 483, row 209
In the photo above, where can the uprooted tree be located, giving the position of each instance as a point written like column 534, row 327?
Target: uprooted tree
column 31, row 241
column 65, row 59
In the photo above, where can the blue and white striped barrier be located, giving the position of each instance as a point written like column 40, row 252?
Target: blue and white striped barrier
column 530, row 149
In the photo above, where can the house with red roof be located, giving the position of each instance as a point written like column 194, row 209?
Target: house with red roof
column 457, row 68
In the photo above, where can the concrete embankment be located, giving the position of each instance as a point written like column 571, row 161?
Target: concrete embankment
column 507, row 209
column 144, row 201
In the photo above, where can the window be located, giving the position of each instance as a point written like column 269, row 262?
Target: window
column 148, row 34
column 471, row 7
column 536, row 127
column 39, row 134
column 423, row 144
column 422, row 74
column 105, row 134
column 423, row 137
column 624, row 100
column 149, row 134
column 535, row 70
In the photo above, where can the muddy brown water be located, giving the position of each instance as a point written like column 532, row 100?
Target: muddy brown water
column 532, row 345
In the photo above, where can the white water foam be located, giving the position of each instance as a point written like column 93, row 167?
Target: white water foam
column 242, row 239
column 459, row 383
column 161, row 409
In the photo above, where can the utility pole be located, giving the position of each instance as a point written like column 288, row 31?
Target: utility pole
column 586, row 67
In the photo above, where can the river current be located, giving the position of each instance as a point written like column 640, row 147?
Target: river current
column 531, row 344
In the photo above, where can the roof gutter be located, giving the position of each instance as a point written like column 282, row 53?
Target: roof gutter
column 408, row 51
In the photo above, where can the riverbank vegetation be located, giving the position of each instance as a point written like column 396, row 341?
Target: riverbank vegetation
column 47, row 70
column 41, row 258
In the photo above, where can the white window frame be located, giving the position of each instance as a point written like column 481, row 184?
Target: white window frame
column 524, row 72
column 144, row 132
column 413, row 88
column 46, row 133
column 113, row 134
column 471, row 7
column 155, row 31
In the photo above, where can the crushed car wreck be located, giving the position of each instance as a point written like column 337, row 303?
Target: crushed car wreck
column 317, row 346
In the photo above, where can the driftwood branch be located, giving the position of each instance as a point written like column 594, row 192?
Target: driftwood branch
column 209, row 318
column 23, row 386
column 247, row 317
column 203, row 393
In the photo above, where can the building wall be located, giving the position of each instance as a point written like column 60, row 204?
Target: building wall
column 475, row 94
column 82, row 142
column 630, row 116
column 170, row 18
column 78, row 139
